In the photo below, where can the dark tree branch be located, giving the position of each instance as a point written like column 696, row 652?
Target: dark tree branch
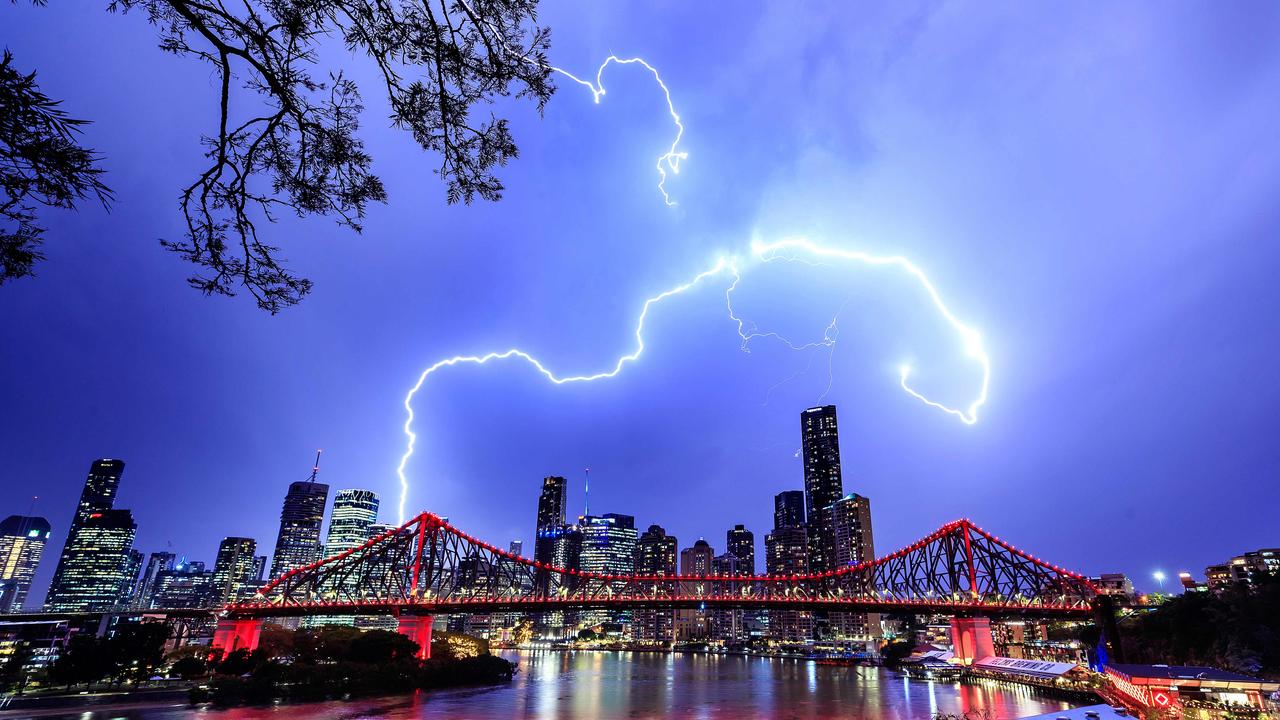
column 300, row 151
column 40, row 164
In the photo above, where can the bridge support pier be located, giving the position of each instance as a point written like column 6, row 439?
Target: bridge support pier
column 971, row 639
column 418, row 629
column 237, row 634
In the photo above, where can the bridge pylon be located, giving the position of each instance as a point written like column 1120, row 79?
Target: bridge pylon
column 418, row 629
column 234, row 634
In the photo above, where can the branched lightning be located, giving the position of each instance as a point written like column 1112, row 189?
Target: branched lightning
column 761, row 253
column 793, row 249
column 670, row 160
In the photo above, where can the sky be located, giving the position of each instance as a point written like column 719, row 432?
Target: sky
column 1091, row 186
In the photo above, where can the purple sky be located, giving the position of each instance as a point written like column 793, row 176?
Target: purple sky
column 1092, row 186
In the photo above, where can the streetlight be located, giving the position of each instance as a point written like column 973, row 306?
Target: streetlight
column 1159, row 576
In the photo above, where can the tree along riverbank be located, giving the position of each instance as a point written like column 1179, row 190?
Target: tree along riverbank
column 336, row 662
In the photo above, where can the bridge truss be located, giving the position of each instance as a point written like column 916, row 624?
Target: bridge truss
column 427, row 567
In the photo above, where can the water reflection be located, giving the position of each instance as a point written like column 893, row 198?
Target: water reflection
column 590, row 685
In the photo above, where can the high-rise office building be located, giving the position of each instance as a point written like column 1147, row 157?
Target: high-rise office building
column 656, row 553
column 609, row 547
column 736, row 625
column 186, row 585
column 695, row 561
column 820, row 443
column 75, row 586
column 147, row 584
column 853, row 544
column 550, row 525
column 565, row 552
column 787, row 553
column 851, row 524
column 298, row 543
column 22, row 541
column 145, row 591
column 95, row 568
column 728, row 625
column 741, row 543
column 354, row 511
column 132, row 576
column 788, row 509
column 236, row 573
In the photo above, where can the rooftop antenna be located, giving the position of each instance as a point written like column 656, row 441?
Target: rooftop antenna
column 32, row 510
column 315, row 468
column 586, row 495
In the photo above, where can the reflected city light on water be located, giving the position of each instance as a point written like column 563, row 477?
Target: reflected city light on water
column 590, row 685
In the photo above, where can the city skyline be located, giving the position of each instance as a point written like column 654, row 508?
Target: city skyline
column 1122, row 307
column 352, row 517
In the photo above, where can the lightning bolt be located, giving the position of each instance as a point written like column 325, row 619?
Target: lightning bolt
column 762, row 253
column 670, row 160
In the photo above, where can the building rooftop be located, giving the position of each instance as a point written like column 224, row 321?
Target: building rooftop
column 1182, row 672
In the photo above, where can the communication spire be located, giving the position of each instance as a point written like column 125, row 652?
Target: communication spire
column 586, row 495
column 315, row 469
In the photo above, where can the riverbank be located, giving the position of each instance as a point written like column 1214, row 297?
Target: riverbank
column 283, row 682
column 47, row 704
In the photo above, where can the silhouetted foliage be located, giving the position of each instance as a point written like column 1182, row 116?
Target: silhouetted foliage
column 136, row 650
column 40, row 164
column 895, row 651
column 337, row 661
column 188, row 668
column 286, row 137
column 1237, row 630
column 133, row 652
column 84, row 660
column 240, row 662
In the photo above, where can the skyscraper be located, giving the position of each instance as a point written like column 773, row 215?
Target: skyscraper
column 146, row 586
column 854, row 544
column 851, row 524
column 298, row 543
column 235, row 571
column 354, row 511
column 566, row 552
column 736, row 625
column 132, row 575
column 95, row 567
column 820, row 442
column 550, row 525
column 72, row 589
column 787, row 553
column 609, row 547
column 185, row 585
column 22, row 542
column 741, row 543
column 694, row 561
column 788, row 509
column 655, row 555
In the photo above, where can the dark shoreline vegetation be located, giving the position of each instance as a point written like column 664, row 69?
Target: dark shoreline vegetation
column 336, row 662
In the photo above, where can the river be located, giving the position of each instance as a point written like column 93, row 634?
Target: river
column 606, row 685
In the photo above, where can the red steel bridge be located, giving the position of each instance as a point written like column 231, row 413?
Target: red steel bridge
column 428, row 567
